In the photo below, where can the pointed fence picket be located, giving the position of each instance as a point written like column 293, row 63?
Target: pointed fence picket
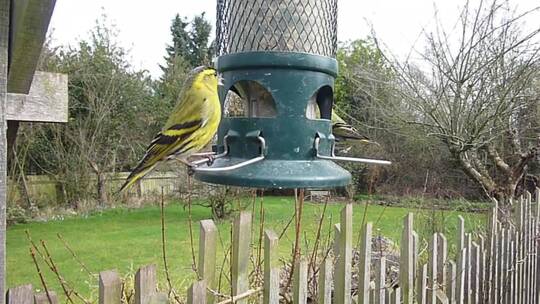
column 500, row 267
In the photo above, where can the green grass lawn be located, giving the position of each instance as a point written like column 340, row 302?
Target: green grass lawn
column 124, row 239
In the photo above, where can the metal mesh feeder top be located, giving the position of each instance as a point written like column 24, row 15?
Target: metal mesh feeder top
column 304, row 26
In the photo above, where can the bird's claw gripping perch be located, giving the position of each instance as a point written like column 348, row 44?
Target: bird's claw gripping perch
column 210, row 160
column 192, row 166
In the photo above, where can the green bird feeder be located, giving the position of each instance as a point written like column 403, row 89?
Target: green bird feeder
column 276, row 58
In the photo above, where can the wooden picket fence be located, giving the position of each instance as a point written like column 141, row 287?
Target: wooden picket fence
column 501, row 266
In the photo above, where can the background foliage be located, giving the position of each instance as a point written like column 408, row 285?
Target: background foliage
column 115, row 110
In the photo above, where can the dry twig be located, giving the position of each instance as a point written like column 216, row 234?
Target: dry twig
column 286, row 227
column 47, row 258
column 313, row 259
column 191, row 242
column 261, row 236
column 299, row 203
column 164, row 252
column 41, row 278
column 54, row 269
column 75, row 257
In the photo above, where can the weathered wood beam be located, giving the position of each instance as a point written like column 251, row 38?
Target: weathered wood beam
column 47, row 100
column 4, row 30
column 28, row 29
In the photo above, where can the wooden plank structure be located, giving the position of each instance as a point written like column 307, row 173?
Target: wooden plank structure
column 110, row 287
column 24, row 94
column 4, row 41
column 505, row 271
column 46, row 101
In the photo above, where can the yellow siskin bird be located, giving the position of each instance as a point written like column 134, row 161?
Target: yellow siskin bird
column 190, row 127
column 344, row 131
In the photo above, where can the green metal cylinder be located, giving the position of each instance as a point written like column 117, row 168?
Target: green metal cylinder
column 292, row 80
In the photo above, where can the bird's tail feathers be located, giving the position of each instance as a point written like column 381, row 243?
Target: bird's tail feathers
column 346, row 131
column 139, row 172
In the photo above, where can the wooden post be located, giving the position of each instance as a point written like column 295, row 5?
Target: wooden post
column 159, row 298
column 110, row 288
column 460, row 276
column 532, row 258
column 440, row 297
column 432, row 269
column 451, row 282
column 534, row 253
column 525, row 258
column 300, row 282
column 396, row 296
column 512, row 269
column 364, row 265
column 21, row 295
column 529, row 248
column 521, row 250
column 416, row 244
column 531, row 244
column 468, row 267
column 342, row 287
column 325, row 282
column 461, row 291
column 207, row 256
column 371, row 292
column 482, row 270
column 537, row 231
column 492, row 268
column 380, row 282
column 23, row 28
column 145, row 284
column 197, row 293
column 525, row 236
column 422, row 285
column 42, row 298
column 407, row 260
column 537, row 203
column 517, row 270
column 240, row 254
column 271, row 268
column 507, row 262
column 442, row 256
column 389, row 293
column 4, row 38
column 461, row 235
column 475, row 273
column 337, row 237
column 500, row 266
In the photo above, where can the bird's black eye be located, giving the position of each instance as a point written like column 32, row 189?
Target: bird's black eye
column 215, row 73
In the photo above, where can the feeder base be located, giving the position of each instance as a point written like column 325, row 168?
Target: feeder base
column 281, row 174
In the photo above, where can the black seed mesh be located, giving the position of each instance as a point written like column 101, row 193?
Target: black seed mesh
column 308, row 26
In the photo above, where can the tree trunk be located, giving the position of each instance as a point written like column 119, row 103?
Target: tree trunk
column 101, row 190
column 467, row 165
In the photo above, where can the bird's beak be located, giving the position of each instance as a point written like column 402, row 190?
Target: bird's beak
column 220, row 80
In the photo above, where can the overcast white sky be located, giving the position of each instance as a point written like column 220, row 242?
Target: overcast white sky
column 144, row 25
